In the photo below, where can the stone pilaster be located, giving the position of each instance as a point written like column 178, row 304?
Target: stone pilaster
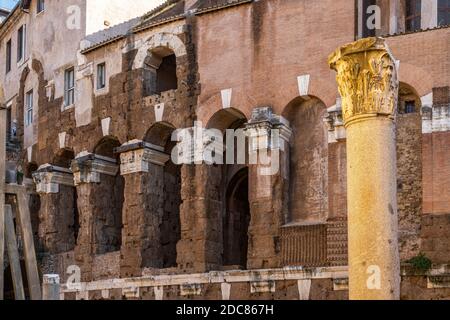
column 142, row 166
column 57, row 214
column 269, row 136
column 100, row 197
column 368, row 84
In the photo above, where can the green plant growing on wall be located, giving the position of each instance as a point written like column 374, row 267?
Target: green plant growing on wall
column 421, row 263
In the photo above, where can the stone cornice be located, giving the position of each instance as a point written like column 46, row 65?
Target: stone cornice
column 137, row 156
column 48, row 178
column 367, row 79
column 88, row 167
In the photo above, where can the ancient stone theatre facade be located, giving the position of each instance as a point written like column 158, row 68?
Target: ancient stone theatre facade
column 92, row 124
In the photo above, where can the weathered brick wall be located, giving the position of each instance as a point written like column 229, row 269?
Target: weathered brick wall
column 409, row 179
column 435, row 237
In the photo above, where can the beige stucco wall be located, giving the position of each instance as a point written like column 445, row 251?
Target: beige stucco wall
column 115, row 12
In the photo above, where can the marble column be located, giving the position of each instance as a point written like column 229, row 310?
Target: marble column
column 368, row 84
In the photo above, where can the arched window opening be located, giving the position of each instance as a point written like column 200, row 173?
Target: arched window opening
column 160, row 71
column 408, row 100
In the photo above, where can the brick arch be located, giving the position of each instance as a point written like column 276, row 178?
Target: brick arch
column 240, row 104
column 324, row 89
column 159, row 134
column 164, row 39
column 106, row 146
column 416, row 77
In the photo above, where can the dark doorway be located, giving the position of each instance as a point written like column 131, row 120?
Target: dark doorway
column 236, row 221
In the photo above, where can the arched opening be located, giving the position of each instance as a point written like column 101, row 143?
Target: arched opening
column 67, row 203
column 409, row 170
column 109, row 201
column 160, row 71
column 236, row 221
column 408, row 99
column 228, row 185
column 170, row 226
column 308, row 161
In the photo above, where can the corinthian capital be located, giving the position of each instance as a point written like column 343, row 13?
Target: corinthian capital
column 367, row 79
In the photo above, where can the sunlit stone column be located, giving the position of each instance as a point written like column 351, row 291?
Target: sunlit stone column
column 368, row 84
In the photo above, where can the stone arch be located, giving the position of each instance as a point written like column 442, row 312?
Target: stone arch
column 416, row 77
column 222, row 182
column 226, row 119
column 308, row 161
column 105, row 147
column 164, row 39
column 408, row 99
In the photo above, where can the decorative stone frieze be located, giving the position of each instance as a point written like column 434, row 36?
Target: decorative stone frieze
column 88, row 167
column 136, row 156
column 48, row 178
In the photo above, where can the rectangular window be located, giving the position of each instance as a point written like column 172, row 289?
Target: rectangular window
column 101, row 76
column 8, row 56
column 29, row 108
column 444, row 12
column 40, row 6
column 413, row 15
column 21, row 42
column 69, row 87
column 410, row 106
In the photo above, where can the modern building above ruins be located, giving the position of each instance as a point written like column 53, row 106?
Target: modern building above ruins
column 96, row 91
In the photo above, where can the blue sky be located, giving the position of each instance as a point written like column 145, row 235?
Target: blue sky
column 7, row 3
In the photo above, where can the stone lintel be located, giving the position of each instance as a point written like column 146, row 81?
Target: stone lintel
column 137, row 156
column 48, row 178
column 88, row 167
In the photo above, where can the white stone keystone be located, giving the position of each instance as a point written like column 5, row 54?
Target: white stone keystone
column 62, row 140
column 226, row 98
column 303, row 84
column 304, row 289
column 226, row 289
column 30, row 153
column 106, row 123
column 159, row 112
